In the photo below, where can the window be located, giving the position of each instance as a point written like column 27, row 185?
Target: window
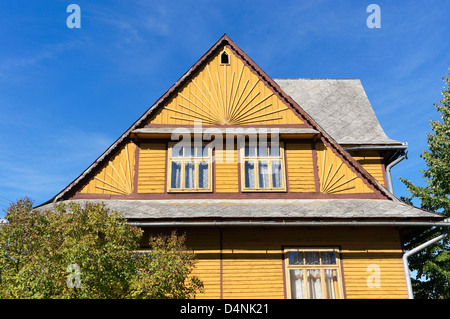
column 224, row 58
column 262, row 167
column 313, row 274
column 189, row 168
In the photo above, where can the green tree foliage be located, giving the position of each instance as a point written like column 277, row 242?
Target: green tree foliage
column 88, row 252
column 433, row 264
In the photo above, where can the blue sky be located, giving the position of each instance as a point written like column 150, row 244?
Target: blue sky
column 67, row 94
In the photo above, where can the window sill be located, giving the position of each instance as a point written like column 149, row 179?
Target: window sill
column 190, row 191
column 264, row 190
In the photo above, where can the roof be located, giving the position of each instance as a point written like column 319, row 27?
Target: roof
column 340, row 107
column 326, row 138
column 346, row 209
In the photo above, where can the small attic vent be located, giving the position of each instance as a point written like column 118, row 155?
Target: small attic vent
column 224, row 58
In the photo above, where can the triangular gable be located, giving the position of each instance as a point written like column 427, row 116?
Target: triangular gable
column 225, row 91
column 303, row 119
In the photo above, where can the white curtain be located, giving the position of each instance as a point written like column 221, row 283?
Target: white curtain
column 330, row 275
column 263, row 174
column 203, row 175
column 176, row 175
column 249, row 174
column 314, row 284
column 276, row 174
column 189, row 177
column 297, row 284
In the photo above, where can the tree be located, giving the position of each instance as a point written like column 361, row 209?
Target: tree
column 433, row 264
column 88, row 252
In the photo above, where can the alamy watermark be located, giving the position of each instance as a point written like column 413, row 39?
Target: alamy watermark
column 74, row 19
column 374, row 279
column 374, row 19
column 74, row 278
column 255, row 138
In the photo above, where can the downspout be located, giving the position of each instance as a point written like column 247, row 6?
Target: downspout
column 388, row 171
column 412, row 252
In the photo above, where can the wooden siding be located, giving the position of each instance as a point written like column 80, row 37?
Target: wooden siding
column 373, row 164
column 226, row 174
column 300, row 168
column 206, row 246
column 252, row 259
column 152, row 167
column 116, row 177
column 225, row 94
column 335, row 176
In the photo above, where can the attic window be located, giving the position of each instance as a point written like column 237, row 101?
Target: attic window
column 224, row 58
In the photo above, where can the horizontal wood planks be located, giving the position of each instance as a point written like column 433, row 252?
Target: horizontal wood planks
column 373, row 164
column 300, row 168
column 226, row 171
column 248, row 262
column 152, row 168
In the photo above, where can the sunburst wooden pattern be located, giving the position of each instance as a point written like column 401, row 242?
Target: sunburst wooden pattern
column 334, row 175
column 227, row 94
column 116, row 177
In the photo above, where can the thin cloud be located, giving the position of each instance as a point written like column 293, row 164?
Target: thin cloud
column 47, row 52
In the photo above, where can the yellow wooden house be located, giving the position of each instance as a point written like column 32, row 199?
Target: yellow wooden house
column 281, row 185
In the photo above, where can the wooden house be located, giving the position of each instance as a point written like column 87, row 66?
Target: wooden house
column 308, row 215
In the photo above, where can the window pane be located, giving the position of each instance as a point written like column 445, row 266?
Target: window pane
column 314, row 284
column 263, row 149
column 277, row 181
column 249, row 174
column 203, row 151
column 176, row 175
column 312, row 257
column 295, row 258
column 330, row 283
column 328, row 258
column 203, row 175
column 189, row 151
column 250, row 150
column 177, row 151
column 263, row 174
column 275, row 150
column 297, row 284
column 189, row 177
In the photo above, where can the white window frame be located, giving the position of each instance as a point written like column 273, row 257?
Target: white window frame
column 269, row 159
column 183, row 159
column 338, row 287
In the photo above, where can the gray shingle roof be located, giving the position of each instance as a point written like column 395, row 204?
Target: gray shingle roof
column 340, row 107
column 259, row 209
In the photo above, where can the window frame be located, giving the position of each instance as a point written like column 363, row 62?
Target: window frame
column 269, row 160
column 196, row 161
column 321, row 267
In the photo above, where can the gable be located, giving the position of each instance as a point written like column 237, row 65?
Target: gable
column 115, row 176
column 335, row 175
column 238, row 93
column 225, row 94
